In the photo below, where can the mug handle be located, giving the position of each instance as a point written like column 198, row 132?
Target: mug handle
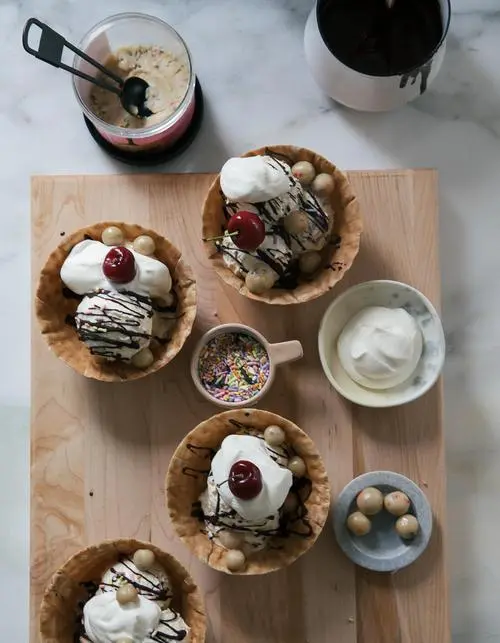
column 285, row 352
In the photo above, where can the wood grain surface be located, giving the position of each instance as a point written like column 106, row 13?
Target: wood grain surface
column 99, row 452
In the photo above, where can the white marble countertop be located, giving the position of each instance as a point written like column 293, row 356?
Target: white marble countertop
column 258, row 91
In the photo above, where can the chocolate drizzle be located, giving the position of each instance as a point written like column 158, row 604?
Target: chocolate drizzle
column 272, row 212
column 172, row 634
column 293, row 523
column 108, row 330
column 144, row 586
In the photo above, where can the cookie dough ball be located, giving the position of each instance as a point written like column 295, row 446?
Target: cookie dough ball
column 144, row 559
column 304, row 172
column 235, row 560
column 143, row 359
column 309, row 262
column 322, row 186
column 397, row 503
column 230, row 539
column 407, row 526
column 126, row 594
column 296, row 222
column 144, row 245
column 297, row 466
column 260, row 280
column 112, row 236
column 274, row 435
column 370, row 501
column 358, row 524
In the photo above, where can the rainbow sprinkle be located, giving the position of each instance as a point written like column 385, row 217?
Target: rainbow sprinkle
column 233, row 367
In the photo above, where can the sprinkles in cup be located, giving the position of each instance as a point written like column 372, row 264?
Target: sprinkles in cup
column 233, row 367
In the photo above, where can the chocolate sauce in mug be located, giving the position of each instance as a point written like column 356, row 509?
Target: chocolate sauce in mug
column 372, row 39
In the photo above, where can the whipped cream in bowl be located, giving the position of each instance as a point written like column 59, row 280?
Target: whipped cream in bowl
column 381, row 344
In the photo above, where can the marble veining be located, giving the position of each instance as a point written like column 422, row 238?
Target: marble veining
column 258, row 90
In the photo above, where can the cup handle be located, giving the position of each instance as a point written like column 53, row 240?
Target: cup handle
column 285, row 352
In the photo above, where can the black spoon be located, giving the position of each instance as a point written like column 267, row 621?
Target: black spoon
column 132, row 91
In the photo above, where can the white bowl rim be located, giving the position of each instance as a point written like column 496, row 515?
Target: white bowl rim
column 405, row 399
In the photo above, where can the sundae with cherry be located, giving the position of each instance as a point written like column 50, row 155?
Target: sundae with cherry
column 127, row 300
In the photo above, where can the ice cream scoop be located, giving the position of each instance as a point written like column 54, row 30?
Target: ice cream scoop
column 380, row 347
column 152, row 583
column 275, row 481
column 83, row 271
column 113, row 324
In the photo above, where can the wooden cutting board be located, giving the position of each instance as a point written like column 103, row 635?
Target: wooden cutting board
column 99, row 452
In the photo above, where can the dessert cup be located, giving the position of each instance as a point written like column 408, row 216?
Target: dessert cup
column 338, row 254
column 52, row 308
column 61, row 608
column 187, row 478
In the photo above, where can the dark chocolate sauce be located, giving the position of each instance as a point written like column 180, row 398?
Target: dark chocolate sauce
column 283, row 264
column 172, row 634
column 69, row 294
column 295, row 523
column 372, row 39
column 125, row 320
column 144, row 586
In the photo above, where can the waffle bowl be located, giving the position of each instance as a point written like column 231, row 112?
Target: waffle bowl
column 53, row 307
column 338, row 254
column 187, row 475
column 61, row 608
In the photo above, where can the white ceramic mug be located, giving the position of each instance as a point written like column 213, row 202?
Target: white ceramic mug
column 361, row 91
column 279, row 353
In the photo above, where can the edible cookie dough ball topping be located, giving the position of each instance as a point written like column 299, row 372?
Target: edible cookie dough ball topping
column 126, row 594
column 359, row 524
column 397, row 503
column 144, row 559
column 143, row 359
column 235, row 560
column 144, row 245
column 112, row 236
column 370, row 501
column 297, row 466
column 304, row 172
column 274, row 435
column 407, row 526
column 245, row 480
column 297, row 222
column 231, row 539
column 119, row 265
column 309, row 262
column 322, row 185
column 260, row 280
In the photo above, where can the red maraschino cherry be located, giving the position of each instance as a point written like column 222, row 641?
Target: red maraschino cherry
column 119, row 265
column 249, row 228
column 245, row 480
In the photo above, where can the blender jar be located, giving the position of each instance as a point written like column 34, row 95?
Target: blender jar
column 134, row 29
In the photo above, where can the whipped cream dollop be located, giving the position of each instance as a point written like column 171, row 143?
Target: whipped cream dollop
column 252, row 179
column 276, row 480
column 82, row 272
column 380, row 347
column 106, row 621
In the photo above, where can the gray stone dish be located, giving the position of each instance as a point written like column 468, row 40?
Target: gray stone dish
column 382, row 550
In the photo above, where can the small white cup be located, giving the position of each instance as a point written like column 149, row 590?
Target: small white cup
column 279, row 353
column 389, row 294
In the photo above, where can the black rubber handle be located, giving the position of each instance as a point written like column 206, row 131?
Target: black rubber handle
column 51, row 48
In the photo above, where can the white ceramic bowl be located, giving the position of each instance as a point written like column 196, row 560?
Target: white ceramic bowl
column 391, row 294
